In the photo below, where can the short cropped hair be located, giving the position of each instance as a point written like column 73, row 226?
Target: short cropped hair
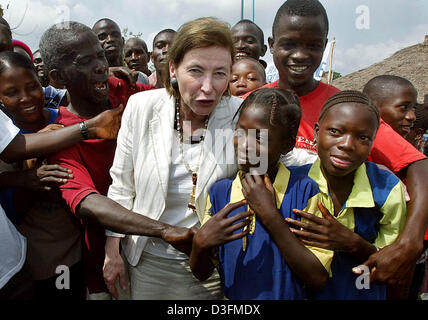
column 141, row 41
column 379, row 87
column 199, row 33
column 107, row 20
column 246, row 21
column 162, row 32
column 55, row 43
column 302, row 8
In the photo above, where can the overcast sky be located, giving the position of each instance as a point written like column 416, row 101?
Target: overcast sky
column 366, row 31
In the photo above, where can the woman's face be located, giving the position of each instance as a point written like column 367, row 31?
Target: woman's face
column 22, row 94
column 203, row 76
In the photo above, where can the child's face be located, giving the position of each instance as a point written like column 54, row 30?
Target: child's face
column 22, row 94
column 247, row 41
column 258, row 145
column 397, row 109
column 245, row 77
column 344, row 138
column 297, row 48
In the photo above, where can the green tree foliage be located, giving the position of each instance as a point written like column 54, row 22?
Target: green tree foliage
column 129, row 34
column 336, row 75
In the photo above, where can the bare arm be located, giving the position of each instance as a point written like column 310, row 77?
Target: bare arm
column 116, row 218
column 394, row 264
column 417, row 215
column 104, row 126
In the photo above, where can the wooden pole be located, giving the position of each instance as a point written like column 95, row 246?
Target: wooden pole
column 330, row 69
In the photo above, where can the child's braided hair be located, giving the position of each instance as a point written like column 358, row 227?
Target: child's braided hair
column 351, row 96
column 282, row 106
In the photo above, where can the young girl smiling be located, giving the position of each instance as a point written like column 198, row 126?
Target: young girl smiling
column 363, row 205
column 53, row 234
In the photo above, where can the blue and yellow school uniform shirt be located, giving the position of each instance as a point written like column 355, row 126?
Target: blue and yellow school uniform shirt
column 260, row 271
column 375, row 210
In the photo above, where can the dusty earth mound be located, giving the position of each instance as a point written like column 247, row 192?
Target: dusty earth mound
column 410, row 63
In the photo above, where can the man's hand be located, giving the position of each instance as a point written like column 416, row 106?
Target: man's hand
column 45, row 176
column 106, row 125
column 130, row 76
column 393, row 264
column 180, row 238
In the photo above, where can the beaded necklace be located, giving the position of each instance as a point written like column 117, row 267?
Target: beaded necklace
column 191, row 205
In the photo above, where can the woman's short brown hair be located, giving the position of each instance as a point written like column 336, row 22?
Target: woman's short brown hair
column 199, row 33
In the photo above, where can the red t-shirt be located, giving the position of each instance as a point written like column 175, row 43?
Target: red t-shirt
column 119, row 91
column 392, row 150
column 90, row 161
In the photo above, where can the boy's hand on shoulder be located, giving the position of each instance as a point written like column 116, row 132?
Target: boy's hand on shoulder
column 393, row 264
column 260, row 194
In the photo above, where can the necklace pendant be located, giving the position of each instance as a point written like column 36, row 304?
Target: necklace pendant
column 191, row 204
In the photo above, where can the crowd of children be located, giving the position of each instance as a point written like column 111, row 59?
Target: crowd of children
column 292, row 231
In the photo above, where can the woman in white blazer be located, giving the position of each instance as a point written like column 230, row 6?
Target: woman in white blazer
column 174, row 143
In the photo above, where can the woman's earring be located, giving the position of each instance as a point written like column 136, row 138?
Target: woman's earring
column 174, row 83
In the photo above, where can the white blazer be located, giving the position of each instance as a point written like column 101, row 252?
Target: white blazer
column 142, row 162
